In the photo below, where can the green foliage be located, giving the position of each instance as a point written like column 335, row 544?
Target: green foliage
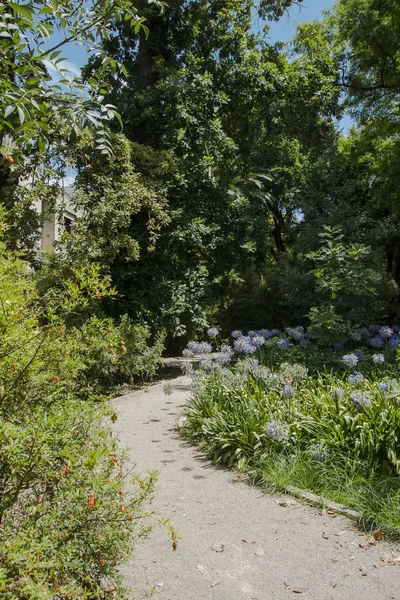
column 117, row 207
column 339, row 269
column 118, row 354
column 318, row 431
column 221, row 105
column 321, row 413
column 32, row 104
column 66, row 516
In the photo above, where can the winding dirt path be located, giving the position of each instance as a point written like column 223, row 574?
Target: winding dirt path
column 236, row 541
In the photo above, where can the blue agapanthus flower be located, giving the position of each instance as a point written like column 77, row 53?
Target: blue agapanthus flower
column 258, row 341
column 207, row 365
column 275, row 332
column 296, row 333
column 266, row 333
column 385, row 332
column 283, row 343
column 394, row 342
column 350, row 360
column 376, row 342
column 356, row 378
column 360, row 400
column 243, row 345
column 319, row 452
column 213, row 332
column 378, row 359
column 383, row 386
column 338, row 347
column 223, row 358
column 338, row 393
column 289, row 391
column 276, row 431
column 250, row 349
column 236, row 334
column 194, row 348
column 360, row 354
column 226, row 349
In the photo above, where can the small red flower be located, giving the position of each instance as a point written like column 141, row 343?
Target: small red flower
column 90, row 504
column 56, row 378
column 10, row 159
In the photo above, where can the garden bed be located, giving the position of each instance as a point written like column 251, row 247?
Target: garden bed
column 292, row 413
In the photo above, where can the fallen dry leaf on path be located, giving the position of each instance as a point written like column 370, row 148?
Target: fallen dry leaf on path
column 202, row 569
column 329, row 511
column 378, row 535
column 248, row 541
column 259, row 552
column 218, row 547
column 286, row 502
column 388, row 559
column 299, row 590
column 367, row 543
column 215, row 582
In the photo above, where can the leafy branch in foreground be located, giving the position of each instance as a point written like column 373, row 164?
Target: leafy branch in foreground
column 38, row 92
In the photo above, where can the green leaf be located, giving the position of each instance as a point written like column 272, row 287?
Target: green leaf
column 21, row 115
column 25, row 10
column 9, row 109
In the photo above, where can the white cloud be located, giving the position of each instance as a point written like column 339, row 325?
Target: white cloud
column 73, row 70
column 67, row 181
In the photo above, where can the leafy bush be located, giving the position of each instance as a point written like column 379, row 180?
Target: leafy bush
column 117, row 353
column 112, row 351
column 137, row 358
column 66, row 517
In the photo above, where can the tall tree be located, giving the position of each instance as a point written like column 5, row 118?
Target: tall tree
column 224, row 104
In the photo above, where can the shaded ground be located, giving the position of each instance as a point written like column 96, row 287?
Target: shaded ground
column 236, row 541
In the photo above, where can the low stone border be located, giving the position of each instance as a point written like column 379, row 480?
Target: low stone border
column 318, row 500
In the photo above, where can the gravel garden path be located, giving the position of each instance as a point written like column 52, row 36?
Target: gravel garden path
column 238, row 542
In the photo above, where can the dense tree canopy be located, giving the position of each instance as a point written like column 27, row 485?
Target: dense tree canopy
column 232, row 160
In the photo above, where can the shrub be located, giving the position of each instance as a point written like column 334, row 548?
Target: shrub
column 113, row 354
column 112, row 351
column 66, row 518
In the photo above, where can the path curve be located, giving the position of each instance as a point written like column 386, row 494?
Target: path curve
column 236, row 541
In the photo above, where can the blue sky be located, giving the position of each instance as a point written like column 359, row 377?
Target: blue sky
column 309, row 10
column 283, row 31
